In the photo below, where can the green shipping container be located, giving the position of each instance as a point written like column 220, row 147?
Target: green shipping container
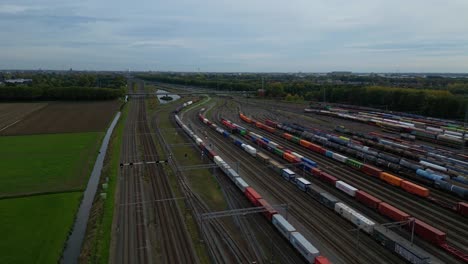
column 243, row 132
column 279, row 152
column 354, row 163
column 295, row 139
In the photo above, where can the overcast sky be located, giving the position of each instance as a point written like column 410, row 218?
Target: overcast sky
column 236, row 35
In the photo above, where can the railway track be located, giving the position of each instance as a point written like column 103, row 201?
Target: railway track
column 131, row 231
column 149, row 229
column 456, row 227
column 332, row 231
column 241, row 240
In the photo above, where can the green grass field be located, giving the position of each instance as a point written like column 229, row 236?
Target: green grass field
column 46, row 163
column 34, row 229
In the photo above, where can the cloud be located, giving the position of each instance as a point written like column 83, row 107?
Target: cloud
column 261, row 35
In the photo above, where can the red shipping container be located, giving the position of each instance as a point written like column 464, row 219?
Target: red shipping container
column 252, row 195
column 269, row 129
column 287, row 136
column 428, row 232
column 270, row 210
column 315, row 172
column 370, row 170
column 392, row 212
column 304, row 143
column 320, row 150
column 321, row 260
column 414, row 189
column 271, row 123
column 367, row 199
column 462, row 208
column 328, row 178
column 290, row 157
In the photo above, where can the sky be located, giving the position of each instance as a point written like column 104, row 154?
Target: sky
column 236, row 35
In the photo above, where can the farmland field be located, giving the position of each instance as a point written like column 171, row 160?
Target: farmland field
column 34, row 229
column 66, row 117
column 46, row 163
column 14, row 112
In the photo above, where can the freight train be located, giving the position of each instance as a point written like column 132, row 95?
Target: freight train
column 394, row 163
column 400, row 246
column 422, row 229
column 297, row 240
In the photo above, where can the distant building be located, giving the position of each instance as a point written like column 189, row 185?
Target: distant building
column 14, row 81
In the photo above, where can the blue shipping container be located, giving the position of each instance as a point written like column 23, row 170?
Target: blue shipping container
column 329, row 154
column 309, row 161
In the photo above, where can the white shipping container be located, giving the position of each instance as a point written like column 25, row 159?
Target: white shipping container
column 433, row 166
column 282, row 225
column 306, row 249
column 251, row 150
column 272, row 144
column 241, row 184
column 355, row 217
column 434, row 129
column 346, row 188
column 232, row 174
column 297, row 155
column 199, row 141
column 339, row 157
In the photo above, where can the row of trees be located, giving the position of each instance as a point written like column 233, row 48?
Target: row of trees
column 448, row 100
column 25, row 93
column 63, row 86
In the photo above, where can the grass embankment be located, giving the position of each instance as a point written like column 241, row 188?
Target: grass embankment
column 46, row 163
column 96, row 247
column 34, row 229
column 202, row 181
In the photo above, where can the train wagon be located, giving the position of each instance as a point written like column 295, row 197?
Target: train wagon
column 283, row 226
column 252, row 195
column 270, row 211
column 346, row 188
column 392, row 179
column 307, row 250
column 414, row 189
column 429, row 233
column 367, row 199
column 392, row 212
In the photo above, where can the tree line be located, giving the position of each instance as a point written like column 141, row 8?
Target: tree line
column 63, row 86
column 448, row 100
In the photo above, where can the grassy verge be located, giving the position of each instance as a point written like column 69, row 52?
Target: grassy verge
column 46, row 163
column 202, row 181
column 34, row 229
column 96, row 247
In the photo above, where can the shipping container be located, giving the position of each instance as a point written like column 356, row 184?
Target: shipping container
column 346, row 188
column 367, row 199
column 287, row 136
column 252, row 195
column 321, row 260
column 241, row 184
column 328, row 200
column 270, row 211
column 428, row 232
column 354, row 163
column 328, row 178
column 329, row 154
column 414, row 189
column 305, row 248
column 355, row 217
column 392, row 212
column 370, row 170
column 232, row 174
column 283, row 226
column 263, row 157
column 288, row 174
column 303, row 184
column 392, row 179
column 309, row 161
column 249, row 149
column 315, row 172
column 339, row 157
column 462, row 208
column 290, row 158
